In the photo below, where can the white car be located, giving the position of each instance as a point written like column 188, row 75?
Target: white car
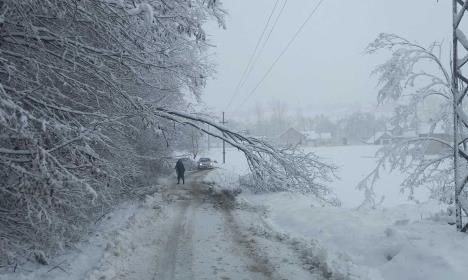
column 205, row 163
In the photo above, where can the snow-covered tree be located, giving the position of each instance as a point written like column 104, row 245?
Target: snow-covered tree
column 273, row 169
column 413, row 75
column 91, row 97
column 74, row 80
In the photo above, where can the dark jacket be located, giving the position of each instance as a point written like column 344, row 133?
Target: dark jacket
column 180, row 169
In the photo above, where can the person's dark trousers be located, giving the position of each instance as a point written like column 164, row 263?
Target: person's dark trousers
column 180, row 176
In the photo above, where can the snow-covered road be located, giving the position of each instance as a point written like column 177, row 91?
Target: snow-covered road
column 196, row 232
column 208, row 237
column 182, row 232
column 202, row 240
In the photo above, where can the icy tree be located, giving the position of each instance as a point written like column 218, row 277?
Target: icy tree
column 91, row 99
column 74, row 80
column 273, row 169
column 412, row 76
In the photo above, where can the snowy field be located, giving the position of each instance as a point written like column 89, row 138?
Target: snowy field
column 400, row 239
column 353, row 162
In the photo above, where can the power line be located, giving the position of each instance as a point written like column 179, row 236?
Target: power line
column 282, row 53
column 274, row 24
column 253, row 54
column 264, row 43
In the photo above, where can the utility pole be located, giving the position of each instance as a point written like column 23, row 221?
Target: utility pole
column 224, row 143
column 460, row 118
column 208, row 137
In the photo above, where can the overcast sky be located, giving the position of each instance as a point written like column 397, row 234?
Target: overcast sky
column 325, row 70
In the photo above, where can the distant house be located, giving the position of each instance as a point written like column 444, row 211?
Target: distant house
column 381, row 138
column 428, row 129
column 318, row 139
column 437, row 132
column 424, row 130
column 292, row 137
column 412, row 134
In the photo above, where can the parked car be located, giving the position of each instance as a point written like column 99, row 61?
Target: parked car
column 205, row 163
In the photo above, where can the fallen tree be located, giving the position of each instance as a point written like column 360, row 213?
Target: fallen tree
column 273, row 169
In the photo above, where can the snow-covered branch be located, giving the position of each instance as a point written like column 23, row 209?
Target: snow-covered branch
column 425, row 156
column 73, row 78
column 272, row 169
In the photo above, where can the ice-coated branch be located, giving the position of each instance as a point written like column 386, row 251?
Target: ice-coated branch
column 425, row 158
column 273, row 169
column 400, row 70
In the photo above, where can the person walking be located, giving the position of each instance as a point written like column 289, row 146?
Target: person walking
column 180, row 170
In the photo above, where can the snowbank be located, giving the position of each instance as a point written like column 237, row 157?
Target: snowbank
column 221, row 177
column 400, row 240
column 404, row 242
column 235, row 160
column 117, row 235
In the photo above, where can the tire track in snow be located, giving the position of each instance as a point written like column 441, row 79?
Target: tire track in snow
column 257, row 260
column 259, row 263
column 177, row 258
column 176, row 262
column 207, row 238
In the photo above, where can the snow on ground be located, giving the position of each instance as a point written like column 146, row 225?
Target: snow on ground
column 180, row 232
column 183, row 231
column 403, row 242
column 121, row 234
column 76, row 263
column 399, row 240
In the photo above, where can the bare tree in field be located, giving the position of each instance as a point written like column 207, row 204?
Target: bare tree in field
column 411, row 76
